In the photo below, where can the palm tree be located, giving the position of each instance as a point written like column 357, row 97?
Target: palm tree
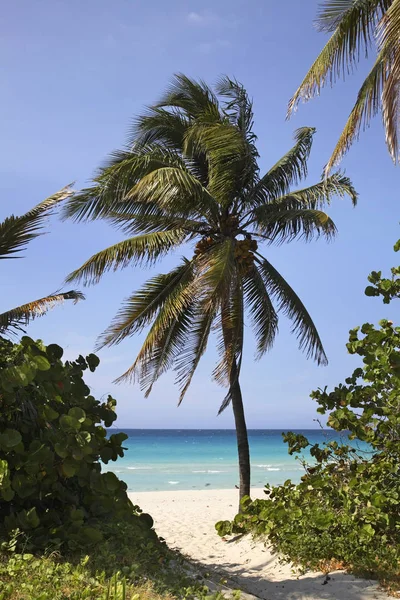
column 189, row 175
column 15, row 234
column 354, row 24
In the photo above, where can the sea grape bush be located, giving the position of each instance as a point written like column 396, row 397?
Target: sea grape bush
column 52, row 438
column 345, row 511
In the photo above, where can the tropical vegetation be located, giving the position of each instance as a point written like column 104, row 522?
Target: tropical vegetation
column 355, row 25
column 52, row 439
column 190, row 176
column 67, row 526
column 15, row 234
column 344, row 512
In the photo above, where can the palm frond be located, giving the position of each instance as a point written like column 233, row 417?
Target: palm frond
column 281, row 224
column 225, row 149
column 143, row 305
column 21, row 316
column 262, row 313
column 216, row 268
column 367, row 105
column 167, row 348
column 291, row 305
column 333, row 13
column 319, row 195
column 231, row 328
column 17, row 232
column 117, row 178
column 167, row 335
column 190, row 96
column 140, row 222
column 159, row 126
column 239, row 109
column 194, row 347
column 142, row 249
column 353, row 22
column 176, row 190
column 389, row 53
column 287, row 171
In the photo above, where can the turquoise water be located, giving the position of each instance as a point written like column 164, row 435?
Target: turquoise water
column 168, row 459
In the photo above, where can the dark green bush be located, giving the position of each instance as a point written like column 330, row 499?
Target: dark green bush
column 345, row 511
column 52, row 438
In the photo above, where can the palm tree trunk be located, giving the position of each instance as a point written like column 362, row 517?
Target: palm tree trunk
column 241, row 435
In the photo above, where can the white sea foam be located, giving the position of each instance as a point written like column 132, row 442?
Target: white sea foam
column 209, row 471
column 139, row 468
column 273, row 469
column 173, row 482
column 262, row 466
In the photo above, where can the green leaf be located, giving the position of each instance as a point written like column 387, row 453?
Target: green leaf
column 93, row 361
column 10, row 438
column 77, row 413
column 32, row 518
column 69, row 467
column 61, row 449
column 49, row 413
column 371, row 291
column 111, row 480
column 323, row 520
column 41, row 362
column 92, row 535
column 54, row 351
column 4, row 474
column 69, row 423
column 367, row 532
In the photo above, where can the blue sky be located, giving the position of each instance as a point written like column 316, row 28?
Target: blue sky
column 73, row 76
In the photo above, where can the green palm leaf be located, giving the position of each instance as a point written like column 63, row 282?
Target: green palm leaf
column 17, row 232
column 262, row 313
column 167, row 333
column 193, row 98
column 142, row 249
column 353, row 23
column 288, row 170
column 367, row 105
column 140, row 308
column 389, row 55
column 281, row 224
column 231, row 328
column 194, row 347
column 21, row 316
column 320, row 194
column 291, row 305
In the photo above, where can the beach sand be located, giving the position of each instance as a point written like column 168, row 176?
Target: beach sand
column 186, row 519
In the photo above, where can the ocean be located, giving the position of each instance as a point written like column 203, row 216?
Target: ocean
column 185, row 459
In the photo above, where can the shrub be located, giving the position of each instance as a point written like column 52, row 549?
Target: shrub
column 52, row 438
column 346, row 508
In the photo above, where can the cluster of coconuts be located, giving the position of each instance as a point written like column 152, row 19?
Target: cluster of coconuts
column 243, row 250
column 244, row 253
column 203, row 245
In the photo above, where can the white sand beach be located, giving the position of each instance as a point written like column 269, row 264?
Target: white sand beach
column 186, row 520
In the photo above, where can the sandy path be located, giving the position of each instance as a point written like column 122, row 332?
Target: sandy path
column 186, row 520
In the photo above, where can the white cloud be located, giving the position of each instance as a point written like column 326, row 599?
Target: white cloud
column 202, row 18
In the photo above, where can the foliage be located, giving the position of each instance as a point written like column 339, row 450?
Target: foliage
column 190, row 175
column 15, row 234
column 354, row 26
column 51, row 443
column 130, row 572
column 346, row 508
